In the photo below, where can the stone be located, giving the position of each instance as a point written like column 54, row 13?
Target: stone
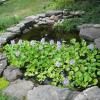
column 41, row 15
column 8, row 35
column 14, row 29
column 80, row 96
column 2, row 56
column 92, row 93
column 19, row 89
column 48, row 92
column 3, row 64
column 97, row 42
column 11, row 73
column 89, row 32
column 50, row 13
column 2, row 41
column 77, row 13
column 55, row 18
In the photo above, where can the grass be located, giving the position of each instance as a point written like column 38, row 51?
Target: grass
column 14, row 10
column 92, row 9
column 4, row 97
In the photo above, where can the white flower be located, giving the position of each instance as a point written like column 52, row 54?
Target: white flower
column 40, row 47
column 59, row 45
column 17, row 53
column 32, row 43
column 42, row 40
column 12, row 42
column 20, row 42
column 72, row 61
column 51, row 42
column 91, row 46
column 57, row 64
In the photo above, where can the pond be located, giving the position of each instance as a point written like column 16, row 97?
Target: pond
column 50, row 34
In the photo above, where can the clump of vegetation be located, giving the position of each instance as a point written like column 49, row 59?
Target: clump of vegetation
column 75, row 65
column 4, row 97
column 68, row 25
column 3, row 83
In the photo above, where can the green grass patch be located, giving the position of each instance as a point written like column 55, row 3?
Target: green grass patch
column 15, row 10
column 3, row 83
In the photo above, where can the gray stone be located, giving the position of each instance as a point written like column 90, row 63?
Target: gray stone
column 77, row 13
column 89, row 32
column 3, row 64
column 8, row 35
column 2, row 56
column 80, row 96
column 97, row 42
column 41, row 15
column 19, row 89
column 48, row 92
column 14, row 29
column 2, row 41
column 50, row 13
column 11, row 73
column 92, row 93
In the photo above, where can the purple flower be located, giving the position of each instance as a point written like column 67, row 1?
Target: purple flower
column 12, row 42
column 57, row 64
column 42, row 40
column 17, row 53
column 32, row 43
column 91, row 46
column 59, row 45
column 20, row 42
column 72, row 61
column 51, row 42
column 66, row 81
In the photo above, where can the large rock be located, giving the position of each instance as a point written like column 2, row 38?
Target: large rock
column 97, row 42
column 3, row 64
column 14, row 29
column 90, row 31
column 48, row 92
column 19, row 89
column 11, row 73
column 92, row 93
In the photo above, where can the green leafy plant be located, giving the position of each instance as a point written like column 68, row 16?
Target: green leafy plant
column 68, row 25
column 3, row 83
column 74, row 65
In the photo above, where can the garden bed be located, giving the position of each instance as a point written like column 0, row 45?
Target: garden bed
column 48, row 61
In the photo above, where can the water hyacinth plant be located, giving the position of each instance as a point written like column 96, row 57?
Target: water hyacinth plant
column 75, row 65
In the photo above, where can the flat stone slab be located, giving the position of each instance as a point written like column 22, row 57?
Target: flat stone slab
column 90, row 32
column 19, row 89
column 97, row 42
column 92, row 93
column 48, row 92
